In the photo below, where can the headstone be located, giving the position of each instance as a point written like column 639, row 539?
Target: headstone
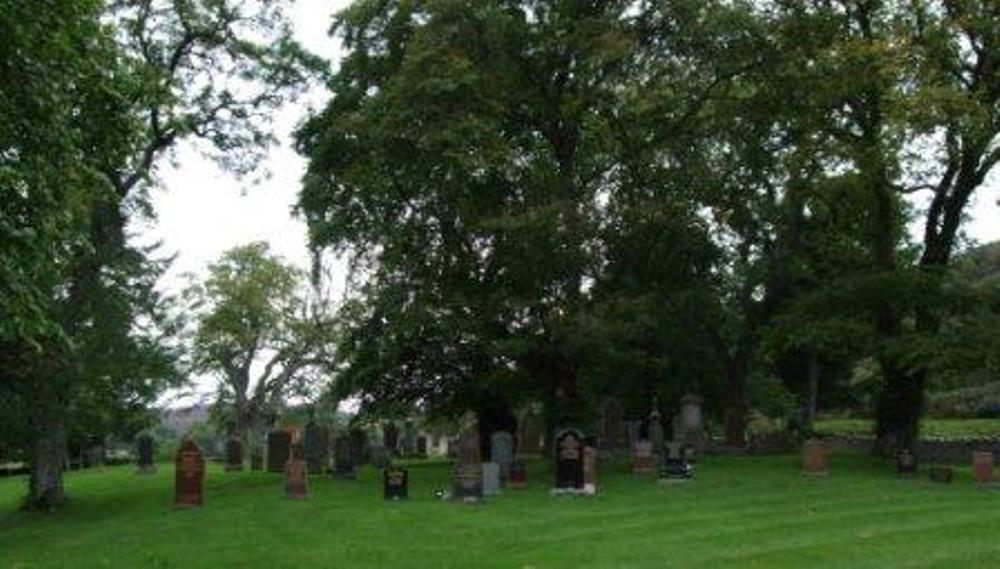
column 675, row 466
column 422, row 446
column 359, row 445
column 906, row 463
column 189, row 474
column 390, row 437
column 689, row 426
column 317, row 449
column 569, row 461
column 295, row 479
column 380, row 457
column 95, row 452
column 612, row 433
column 982, row 466
column 529, row 438
column 941, row 474
column 234, row 455
column 518, row 475
column 502, row 452
column 491, row 479
column 642, row 457
column 395, row 483
column 279, row 445
column 468, row 473
column 589, row 470
column 145, row 463
column 256, row 458
column 655, row 430
column 634, row 431
column 814, row 458
column 344, row 458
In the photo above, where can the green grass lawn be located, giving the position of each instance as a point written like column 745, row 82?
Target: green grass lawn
column 944, row 429
column 738, row 512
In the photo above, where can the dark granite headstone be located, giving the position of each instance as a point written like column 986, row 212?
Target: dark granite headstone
column 390, row 437
column 675, row 466
column 395, row 483
column 234, row 455
column 467, row 477
column 422, row 446
column 279, row 444
column 295, row 479
column 612, row 433
column 906, row 463
column 569, row 460
column 359, row 446
column 518, row 475
column 189, row 474
column 502, row 452
column 343, row 458
column 145, row 449
column 317, row 441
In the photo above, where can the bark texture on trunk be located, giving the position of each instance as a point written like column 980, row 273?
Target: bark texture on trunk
column 48, row 457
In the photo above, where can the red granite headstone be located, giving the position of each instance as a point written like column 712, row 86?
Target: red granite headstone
column 814, row 458
column 982, row 466
column 295, row 479
column 642, row 457
column 189, row 474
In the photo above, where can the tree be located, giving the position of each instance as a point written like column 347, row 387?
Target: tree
column 141, row 76
column 258, row 333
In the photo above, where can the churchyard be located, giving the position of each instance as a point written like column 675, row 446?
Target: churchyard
column 736, row 512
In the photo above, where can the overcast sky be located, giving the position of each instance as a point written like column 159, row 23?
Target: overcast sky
column 202, row 211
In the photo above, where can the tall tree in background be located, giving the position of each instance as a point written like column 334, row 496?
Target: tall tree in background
column 253, row 309
column 153, row 73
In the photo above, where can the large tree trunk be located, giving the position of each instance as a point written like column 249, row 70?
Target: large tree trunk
column 48, row 455
column 737, row 406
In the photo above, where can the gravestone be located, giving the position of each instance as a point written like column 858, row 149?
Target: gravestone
column 344, row 458
column 390, row 437
column 279, row 445
column 642, row 457
column 256, row 458
column 491, row 479
column 655, row 430
column 359, row 446
column 982, row 466
column 422, row 446
column 589, row 470
column 94, row 455
column 409, row 439
column 941, row 474
column 502, row 452
column 380, row 457
column 145, row 463
column 634, row 431
column 569, row 461
column 295, row 478
column 906, row 463
column 189, row 475
column 529, row 438
column 395, row 483
column 518, row 475
column 234, row 455
column 468, row 473
column 675, row 466
column 317, row 447
column 612, row 432
column 814, row 458
column 689, row 426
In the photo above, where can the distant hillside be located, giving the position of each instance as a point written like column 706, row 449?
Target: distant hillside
column 980, row 264
column 179, row 421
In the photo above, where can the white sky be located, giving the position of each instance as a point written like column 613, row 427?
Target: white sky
column 202, row 212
